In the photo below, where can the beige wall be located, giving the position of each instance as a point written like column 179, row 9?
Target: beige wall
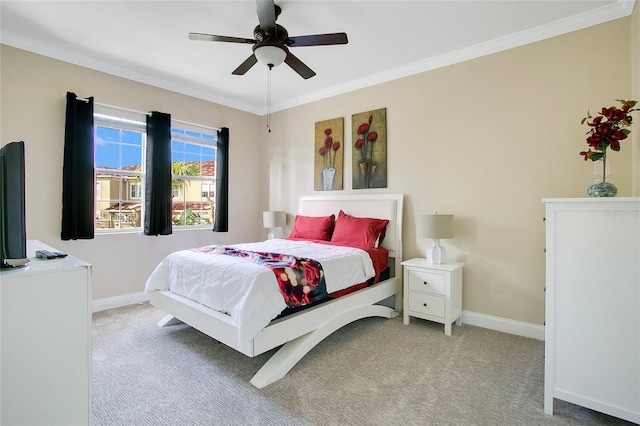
column 485, row 140
column 33, row 106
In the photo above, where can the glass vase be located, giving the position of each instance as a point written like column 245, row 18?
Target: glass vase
column 600, row 187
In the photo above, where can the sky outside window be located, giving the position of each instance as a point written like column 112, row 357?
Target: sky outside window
column 117, row 149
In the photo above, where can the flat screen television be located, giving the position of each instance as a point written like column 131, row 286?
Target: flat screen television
column 13, row 229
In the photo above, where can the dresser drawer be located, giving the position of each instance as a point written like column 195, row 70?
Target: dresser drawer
column 426, row 304
column 427, row 282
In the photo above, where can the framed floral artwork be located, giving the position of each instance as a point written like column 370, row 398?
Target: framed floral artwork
column 329, row 157
column 369, row 148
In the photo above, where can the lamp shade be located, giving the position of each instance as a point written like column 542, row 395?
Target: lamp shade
column 271, row 56
column 274, row 219
column 436, row 226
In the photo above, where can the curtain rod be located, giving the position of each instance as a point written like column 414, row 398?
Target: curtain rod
column 121, row 108
column 217, row 129
column 78, row 98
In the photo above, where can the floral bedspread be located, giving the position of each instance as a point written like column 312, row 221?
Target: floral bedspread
column 246, row 291
column 301, row 280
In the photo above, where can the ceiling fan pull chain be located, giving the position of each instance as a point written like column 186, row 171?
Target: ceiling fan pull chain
column 269, row 98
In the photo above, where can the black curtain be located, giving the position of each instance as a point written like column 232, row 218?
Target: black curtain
column 221, row 221
column 157, row 192
column 78, row 172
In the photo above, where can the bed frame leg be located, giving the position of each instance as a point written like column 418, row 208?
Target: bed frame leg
column 288, row 355
column 398, row 303
column 169, row 320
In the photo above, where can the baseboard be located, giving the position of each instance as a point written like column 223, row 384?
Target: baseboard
column 504, row 325
column 119, row 301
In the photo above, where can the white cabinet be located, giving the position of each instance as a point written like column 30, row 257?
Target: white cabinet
column 592, row 333
column 45, row 323
column 433, row 292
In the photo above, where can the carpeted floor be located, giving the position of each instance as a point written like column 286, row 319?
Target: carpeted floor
column 372, row 372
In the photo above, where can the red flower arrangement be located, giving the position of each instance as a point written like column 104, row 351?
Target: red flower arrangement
column 325, row 151
column 607, row 130
column 365, row 141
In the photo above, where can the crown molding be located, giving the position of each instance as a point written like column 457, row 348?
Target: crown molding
column 619, row 9
column 113, row 67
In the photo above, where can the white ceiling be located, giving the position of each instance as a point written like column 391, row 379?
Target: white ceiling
column 147, row 41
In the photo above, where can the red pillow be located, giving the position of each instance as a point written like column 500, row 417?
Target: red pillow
column 358, row 231
column 313, row 228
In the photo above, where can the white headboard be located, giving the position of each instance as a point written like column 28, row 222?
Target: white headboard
column 381, row 206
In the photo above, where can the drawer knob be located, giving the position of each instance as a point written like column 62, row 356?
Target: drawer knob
column 424, row 304
column 425, row 283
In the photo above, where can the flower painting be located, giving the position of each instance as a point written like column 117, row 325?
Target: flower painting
column 369, row 147
column 328, row 154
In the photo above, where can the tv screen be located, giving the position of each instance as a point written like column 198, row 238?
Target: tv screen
column 13, row 230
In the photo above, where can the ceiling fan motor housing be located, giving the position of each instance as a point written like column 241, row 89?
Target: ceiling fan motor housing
column 279, row 33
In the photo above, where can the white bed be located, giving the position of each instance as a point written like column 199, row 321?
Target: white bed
column 301, row 331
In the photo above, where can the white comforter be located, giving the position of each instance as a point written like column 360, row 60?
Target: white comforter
column 249, row 292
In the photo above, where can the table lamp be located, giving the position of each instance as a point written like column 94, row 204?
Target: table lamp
column 436, row 226
column 274, row 220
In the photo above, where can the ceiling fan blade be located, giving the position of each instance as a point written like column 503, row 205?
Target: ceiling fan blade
column 246, row 65
column 299, row 67
column 317, row 40
column 266, row 14
column 211, row 37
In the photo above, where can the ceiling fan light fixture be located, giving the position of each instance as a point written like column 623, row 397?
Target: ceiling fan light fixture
column 271, row 56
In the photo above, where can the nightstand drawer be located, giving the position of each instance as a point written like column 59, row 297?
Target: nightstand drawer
column 426, row 304
column 427, row 282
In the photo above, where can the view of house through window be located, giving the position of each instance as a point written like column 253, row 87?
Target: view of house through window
column 193, row 167
column 120, row 140
column 119, row 149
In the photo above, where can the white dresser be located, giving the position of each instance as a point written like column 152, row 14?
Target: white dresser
column 45, row 321
column 592, row 333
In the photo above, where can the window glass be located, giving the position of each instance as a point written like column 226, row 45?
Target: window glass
column 120, row 144
column 193, row 184
column 115, row 207
column 119, row 174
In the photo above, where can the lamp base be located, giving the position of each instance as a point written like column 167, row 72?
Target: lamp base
column 275, row 233
column 436, row 254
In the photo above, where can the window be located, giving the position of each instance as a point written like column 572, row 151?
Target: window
column 208, row 189
column 135, row 190
column 119, row 148
column 193, row 156
column 120, row 145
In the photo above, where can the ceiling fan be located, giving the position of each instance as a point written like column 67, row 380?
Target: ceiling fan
column 271, row 42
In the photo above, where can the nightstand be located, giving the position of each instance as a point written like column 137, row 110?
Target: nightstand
column 433, row 292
